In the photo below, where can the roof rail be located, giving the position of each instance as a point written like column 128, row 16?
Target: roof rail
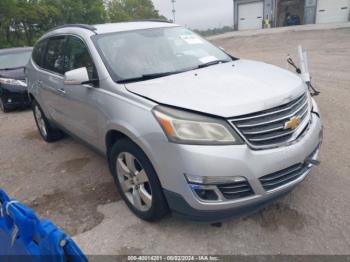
column 84, row 26
column 150, row 20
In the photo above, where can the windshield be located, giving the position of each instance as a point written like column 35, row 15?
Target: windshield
column 14, row 60
column 158, row 52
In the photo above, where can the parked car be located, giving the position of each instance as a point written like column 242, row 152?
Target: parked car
column 13, row 87
column 185, row 126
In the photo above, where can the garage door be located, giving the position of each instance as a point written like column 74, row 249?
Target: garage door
column 332, row 11
column 250, row 16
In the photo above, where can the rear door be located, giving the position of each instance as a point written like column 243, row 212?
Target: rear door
column 250, row 16
column 332, row 11
column 51, row 81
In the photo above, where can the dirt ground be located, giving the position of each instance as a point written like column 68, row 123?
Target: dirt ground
column 71, row 185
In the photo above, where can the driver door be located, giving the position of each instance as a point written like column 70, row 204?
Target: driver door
column 79, row 106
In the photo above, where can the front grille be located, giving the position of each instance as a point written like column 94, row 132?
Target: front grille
column 283, row 177
column 236, row 190
column 267, row 128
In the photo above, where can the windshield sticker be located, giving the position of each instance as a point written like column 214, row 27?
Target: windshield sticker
column 191, row 39
column 208, row 59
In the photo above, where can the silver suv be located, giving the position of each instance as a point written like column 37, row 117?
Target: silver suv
column 185, row 126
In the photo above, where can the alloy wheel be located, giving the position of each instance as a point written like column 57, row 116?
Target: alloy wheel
column 134, row 181
column 40, row 120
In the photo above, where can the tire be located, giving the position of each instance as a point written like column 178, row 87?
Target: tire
column 3, row 106
column 137, row 181
column 46, row 130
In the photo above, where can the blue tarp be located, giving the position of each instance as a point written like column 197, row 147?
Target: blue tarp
column 24, row 237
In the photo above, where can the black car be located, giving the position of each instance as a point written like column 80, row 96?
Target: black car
column 13, row 87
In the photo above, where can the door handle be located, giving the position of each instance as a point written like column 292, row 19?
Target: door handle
column 61, row 91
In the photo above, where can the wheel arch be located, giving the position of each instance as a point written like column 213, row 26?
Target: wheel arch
column 114, row 134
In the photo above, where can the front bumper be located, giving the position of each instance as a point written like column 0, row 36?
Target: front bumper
column 15, row 99
column 248, row 205
column 181, row 208
column 231, row 161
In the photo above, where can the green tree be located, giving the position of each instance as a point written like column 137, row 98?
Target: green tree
column 28, row 17
column 22, row 22
column 7, row 8
column 125, row 10
column 75, row 11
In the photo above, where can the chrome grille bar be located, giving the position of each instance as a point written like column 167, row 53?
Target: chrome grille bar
column 238, row 191
column 273, row 112
column 281, row 174
column 272, row 137
column 267, row 128
column 278, row 119
column 264, row 131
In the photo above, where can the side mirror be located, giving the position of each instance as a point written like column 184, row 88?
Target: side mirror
column 76, row 77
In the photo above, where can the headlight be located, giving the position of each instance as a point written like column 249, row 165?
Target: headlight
column 188, row 128
column 8, row 81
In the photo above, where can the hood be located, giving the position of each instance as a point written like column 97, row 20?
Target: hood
column 227, row 90
column 15, row 73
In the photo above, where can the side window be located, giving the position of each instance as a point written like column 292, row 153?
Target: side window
column 38, row 52
column 77, row 56
column 53, row 59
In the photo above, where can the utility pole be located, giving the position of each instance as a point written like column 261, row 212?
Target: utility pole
column 233, row 15
column 174, row 11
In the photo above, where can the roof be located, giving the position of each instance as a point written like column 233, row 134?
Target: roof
column 117, row 27
column 15, row 50
column 133, row 25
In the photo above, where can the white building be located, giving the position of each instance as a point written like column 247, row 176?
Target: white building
column 250, row 14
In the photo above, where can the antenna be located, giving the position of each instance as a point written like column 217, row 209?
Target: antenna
column 173, row 11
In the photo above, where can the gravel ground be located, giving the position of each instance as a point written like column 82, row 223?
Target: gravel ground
column 71, row 185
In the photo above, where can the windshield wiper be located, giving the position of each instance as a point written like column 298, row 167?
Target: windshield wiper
column 157, row 75
column 147, row 77
column 215, row 62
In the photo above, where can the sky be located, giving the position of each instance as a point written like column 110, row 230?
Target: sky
column 198, row 14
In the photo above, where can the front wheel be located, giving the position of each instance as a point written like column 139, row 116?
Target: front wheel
column 47, row 132
column 137, row 181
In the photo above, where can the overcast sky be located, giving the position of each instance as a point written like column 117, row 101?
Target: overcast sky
column 198, row 14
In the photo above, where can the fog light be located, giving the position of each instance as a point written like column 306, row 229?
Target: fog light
column 214, row 180
column 205, row 193
column 9, row 100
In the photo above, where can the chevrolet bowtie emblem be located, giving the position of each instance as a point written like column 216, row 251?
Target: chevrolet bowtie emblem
column 293, row 123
